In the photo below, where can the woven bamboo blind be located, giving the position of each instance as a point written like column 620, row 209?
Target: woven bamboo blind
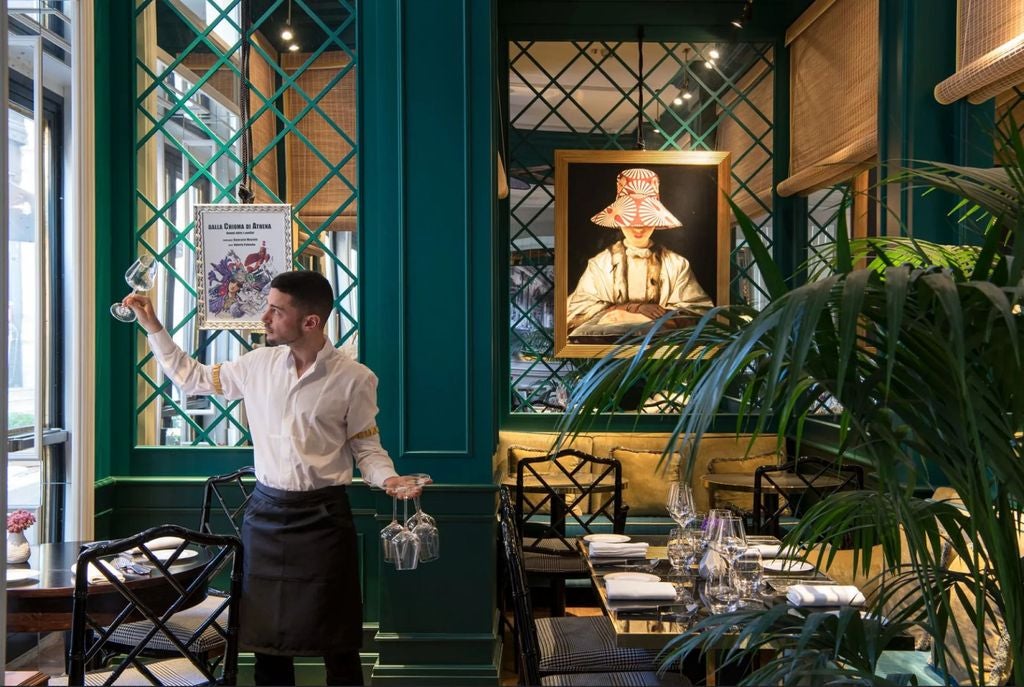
column 747, row 134
column 833, row 93
column 261, row 82
column 305, row 169
column 990, row 51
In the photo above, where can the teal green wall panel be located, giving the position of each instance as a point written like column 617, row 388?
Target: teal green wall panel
column 427, row 204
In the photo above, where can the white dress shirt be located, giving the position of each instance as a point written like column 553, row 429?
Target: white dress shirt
column 307, row 432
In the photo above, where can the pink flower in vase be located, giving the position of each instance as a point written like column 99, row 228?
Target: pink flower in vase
column 19, row 521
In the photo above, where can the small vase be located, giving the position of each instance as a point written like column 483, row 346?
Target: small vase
column 18, row 549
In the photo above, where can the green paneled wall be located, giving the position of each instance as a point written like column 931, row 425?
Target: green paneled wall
column 427, row 203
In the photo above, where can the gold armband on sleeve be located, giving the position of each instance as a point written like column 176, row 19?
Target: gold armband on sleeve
column 366, row 433
column 217, row 388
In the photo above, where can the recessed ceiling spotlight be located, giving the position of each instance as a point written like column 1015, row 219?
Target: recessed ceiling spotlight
column 687, row 95
column 677, row 101
column 710, row 64
column 714, row 53
column 294, row 47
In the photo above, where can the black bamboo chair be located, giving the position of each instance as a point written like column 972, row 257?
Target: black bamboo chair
column 95, row 618
column 788, row 490
column 553, row 492
column 568, row 650
column 225, row 498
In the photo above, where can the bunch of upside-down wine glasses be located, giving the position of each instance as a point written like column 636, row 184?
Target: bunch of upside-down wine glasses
column 417, row 541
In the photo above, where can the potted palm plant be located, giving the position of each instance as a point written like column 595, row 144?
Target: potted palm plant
column 923, row 349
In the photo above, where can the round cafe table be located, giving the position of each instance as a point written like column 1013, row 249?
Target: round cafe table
column 44, row 604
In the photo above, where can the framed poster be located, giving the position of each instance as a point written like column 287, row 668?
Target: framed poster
column 239, row 250
column 637, row 234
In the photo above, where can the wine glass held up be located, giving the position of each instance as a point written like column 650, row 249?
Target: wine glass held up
column 141, row 277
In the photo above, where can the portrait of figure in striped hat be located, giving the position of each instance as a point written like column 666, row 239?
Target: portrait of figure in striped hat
column 650, row 251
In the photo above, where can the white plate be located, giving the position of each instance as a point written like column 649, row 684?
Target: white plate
column 787, row 565
column 633, row 577
column 612, row 538
column 21, row 575
column 165, row 554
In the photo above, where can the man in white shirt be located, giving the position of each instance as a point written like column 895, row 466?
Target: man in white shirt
column 312, row 416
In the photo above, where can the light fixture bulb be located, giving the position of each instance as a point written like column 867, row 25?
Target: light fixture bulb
column 687, row 95
column 714, row 54
column 294, row 47
column 677, row 101
column 287, row 34
column 709, row 65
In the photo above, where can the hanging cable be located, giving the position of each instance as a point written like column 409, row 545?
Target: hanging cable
column 640, row 144
column 245, row 193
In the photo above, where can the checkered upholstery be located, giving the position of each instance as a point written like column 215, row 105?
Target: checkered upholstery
column 570, row 566
column 640, row 679
column 175, row 672
column 182, row 624
column 581, row 645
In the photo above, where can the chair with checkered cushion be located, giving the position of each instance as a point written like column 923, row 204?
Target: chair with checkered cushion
column 224, row 500
column 96, row 617
column 568, row 651
column 554, row 492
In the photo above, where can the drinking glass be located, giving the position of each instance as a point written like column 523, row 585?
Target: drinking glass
column 746, row 573
column 423, row 525
column 722, row 596
column 680, row 502
column 682, row 547
column 390, row 531
column 405, row 545
column 140, row 276
column 730, row 538
column 710, row 528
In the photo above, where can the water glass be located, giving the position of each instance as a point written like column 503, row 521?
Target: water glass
column 746, row 573
column 682, row 547
column 722, row 596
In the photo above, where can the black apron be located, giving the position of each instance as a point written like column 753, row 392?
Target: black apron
column 300, row 589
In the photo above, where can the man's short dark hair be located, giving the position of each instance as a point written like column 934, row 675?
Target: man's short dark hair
column 310, row 291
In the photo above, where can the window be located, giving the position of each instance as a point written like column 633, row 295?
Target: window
column 36, row 311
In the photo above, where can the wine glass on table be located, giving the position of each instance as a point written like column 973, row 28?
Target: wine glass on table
column 730, row 538
column 141, row 277
column 680, row 503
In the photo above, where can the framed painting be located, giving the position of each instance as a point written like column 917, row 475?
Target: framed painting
column 637, row 234
column 239, row 250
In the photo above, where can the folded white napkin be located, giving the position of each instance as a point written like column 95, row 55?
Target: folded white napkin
column 96, row 576
column 159, row 543
column 824, row 595
column 631, row 589
column 599, row 549
column 711, row 561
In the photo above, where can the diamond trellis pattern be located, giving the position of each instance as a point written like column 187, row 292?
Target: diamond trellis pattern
column 822, row 223
column 302, row 104
column 583, row 95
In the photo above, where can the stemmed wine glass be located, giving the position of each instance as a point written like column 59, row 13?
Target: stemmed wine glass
column 140, row 276
column 730, row 537
column 423, row 525
column 680, row 503
column 405, row 545
column 390, row 531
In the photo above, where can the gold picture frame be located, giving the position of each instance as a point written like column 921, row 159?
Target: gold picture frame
column 596, row 193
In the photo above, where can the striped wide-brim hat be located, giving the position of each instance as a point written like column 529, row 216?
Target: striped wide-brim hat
column 637, row 203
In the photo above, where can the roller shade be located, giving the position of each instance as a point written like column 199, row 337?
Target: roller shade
column 833, row 93
column 990, row 51
column 307, row 170
column 747, row 135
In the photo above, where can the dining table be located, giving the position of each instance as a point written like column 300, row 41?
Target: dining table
column 40, row 592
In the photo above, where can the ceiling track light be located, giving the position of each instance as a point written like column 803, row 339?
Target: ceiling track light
column 745, row 15
column 287, row 33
